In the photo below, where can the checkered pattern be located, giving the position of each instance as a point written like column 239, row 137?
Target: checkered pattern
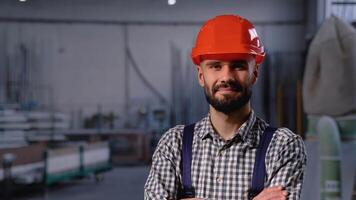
column 222, row 170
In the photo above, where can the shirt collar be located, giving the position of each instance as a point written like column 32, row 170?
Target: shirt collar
column 205, row 128
column 245, row 132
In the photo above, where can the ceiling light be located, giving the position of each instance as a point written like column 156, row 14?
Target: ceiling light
column 171, row 2
column 22, row 0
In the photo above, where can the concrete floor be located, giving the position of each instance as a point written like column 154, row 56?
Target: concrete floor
column 120, row 183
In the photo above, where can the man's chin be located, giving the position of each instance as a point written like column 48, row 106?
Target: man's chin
column 227, row 96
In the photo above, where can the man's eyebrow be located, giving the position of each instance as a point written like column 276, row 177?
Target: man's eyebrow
column 209, row 63
column 234, row 62
column 239, row 62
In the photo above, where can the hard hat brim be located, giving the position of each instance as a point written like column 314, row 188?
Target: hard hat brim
column 198, row 56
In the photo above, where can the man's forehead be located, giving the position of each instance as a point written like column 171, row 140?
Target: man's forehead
column 208, row 62
column 226, row 58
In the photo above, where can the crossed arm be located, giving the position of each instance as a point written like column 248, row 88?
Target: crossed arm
column 271, row 193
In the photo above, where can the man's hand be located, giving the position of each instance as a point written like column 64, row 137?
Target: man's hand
column 272, row 193
column 192, row 199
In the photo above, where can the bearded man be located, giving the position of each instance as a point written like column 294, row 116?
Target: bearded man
column 231, row 153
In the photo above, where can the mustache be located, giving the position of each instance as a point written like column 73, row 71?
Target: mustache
column 234, row 85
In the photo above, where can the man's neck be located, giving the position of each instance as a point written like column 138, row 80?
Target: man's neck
column 227, row 124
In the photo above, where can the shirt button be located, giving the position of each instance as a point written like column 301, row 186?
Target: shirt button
column 219, row 180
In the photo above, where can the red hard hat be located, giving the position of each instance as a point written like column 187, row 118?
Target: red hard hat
column 230, row 35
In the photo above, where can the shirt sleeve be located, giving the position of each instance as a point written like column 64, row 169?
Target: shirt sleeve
column 163, row 180
column 287, row 163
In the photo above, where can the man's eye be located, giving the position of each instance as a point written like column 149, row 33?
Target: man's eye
column 215, row 66
column 238, row 65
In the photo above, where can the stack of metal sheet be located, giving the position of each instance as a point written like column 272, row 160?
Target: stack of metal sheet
column 12, row 129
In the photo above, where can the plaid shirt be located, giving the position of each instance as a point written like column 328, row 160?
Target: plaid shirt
column 223, row 170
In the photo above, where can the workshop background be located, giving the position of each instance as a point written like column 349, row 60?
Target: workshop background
column 87, row 87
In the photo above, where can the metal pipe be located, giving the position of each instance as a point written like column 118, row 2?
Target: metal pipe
column 127, row 77
column 7, row 161
column 338, row 3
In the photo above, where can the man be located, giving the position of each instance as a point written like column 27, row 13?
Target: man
column 228, row 53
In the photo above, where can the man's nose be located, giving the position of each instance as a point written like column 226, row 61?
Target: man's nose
column 226, row 73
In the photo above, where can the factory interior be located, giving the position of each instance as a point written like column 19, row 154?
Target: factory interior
column 88, row 87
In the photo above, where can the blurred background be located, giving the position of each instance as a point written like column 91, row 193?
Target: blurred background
column 87, row 87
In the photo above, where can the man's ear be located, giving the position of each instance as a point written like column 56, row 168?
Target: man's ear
column 255, row 73
column 200, row 75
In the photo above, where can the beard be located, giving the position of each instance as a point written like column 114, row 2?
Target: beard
column 229, row 103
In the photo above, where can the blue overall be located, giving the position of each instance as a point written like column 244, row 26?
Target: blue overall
column 259, row 171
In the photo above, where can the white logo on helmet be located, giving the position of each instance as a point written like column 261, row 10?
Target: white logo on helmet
column 253, row 33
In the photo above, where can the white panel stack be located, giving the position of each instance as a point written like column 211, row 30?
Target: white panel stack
column 96, row 154
column 47, row 125
column 47, row 120
column 12, row 129
column 17, row 127
column 63, row 160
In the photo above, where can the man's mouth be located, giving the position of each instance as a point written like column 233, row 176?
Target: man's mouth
column 225, row 90
column 229, row 87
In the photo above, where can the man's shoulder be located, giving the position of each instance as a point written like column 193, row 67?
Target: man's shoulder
column 170, row 143
column 284, row 138
column 285, row 134
column 174, row 135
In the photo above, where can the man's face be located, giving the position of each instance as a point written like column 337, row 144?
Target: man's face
column 228, row 83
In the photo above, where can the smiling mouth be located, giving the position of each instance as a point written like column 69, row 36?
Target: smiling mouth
column 226, row 90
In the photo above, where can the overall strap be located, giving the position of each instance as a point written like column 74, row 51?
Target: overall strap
column 259, row 170
column 188, row 190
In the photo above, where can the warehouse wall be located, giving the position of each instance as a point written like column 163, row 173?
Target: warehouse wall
column 76, row 48
column 155, row 10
